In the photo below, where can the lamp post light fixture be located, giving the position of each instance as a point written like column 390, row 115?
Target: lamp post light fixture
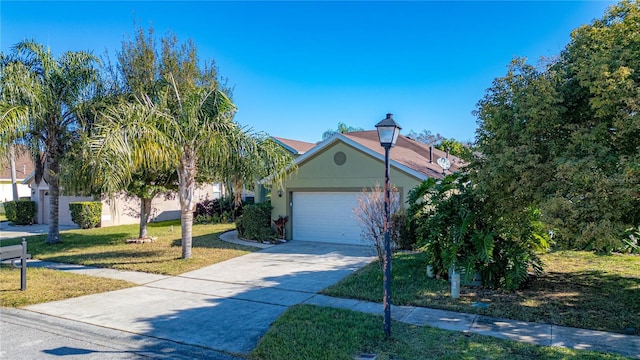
column 388, row 131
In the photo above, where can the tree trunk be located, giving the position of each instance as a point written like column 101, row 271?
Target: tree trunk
column 51, row 176
column 186, row 220
column 186, row 189
column 145, row 213
column 12, row 166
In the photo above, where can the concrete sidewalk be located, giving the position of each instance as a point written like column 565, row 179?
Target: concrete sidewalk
column 136, row 277
column 8, row 231
column 232, row 237
column 533, row 333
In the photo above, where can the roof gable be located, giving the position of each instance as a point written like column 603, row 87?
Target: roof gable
column 408, row 155
column 294, row 146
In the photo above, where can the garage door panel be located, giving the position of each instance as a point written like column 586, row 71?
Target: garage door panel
column 326, row 217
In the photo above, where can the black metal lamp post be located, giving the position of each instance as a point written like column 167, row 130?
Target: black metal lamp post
column 388, row 131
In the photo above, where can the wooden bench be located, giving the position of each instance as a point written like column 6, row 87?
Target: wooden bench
column 14, row 253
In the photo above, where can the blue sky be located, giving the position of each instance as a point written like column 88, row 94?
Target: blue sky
column 299, row 68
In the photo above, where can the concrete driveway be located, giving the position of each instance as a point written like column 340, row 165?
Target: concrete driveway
column 227, row 306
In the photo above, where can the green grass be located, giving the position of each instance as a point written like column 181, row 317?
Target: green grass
column 107, row 247
column 44, row 285
column 310, row 332
column 578, row 289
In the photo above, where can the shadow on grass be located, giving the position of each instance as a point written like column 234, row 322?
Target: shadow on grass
column 102, row 259
column 589, row 299
column 37, row 245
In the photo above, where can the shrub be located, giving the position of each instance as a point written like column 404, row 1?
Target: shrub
column 255, row 222
column 86, row 214
column 457, row 231
column 370, row 214
column 10, row 210
column 280, row 224
column 20, row 212
column 203, row 219
column 632, row 242
column 401, row 234
column 218, row 210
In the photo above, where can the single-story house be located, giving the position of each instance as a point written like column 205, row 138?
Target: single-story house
column 24, row 166
column 319, row 197
column 115, row 211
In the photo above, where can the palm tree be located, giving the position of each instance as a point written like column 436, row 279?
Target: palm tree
column 42, row 105
column 174, row 117
column 257, row 156
column 191, row 131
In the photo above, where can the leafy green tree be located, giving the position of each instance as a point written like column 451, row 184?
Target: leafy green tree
column 136, row 75
column 456, row 148
column 187, row 125
column 563, row 136
column 516, row 139
column 452, row 146
column 341, row 129
column 147, row 184
column 597, row 196
column 46, row 105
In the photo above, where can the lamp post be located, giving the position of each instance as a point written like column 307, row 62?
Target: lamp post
column 388, row 131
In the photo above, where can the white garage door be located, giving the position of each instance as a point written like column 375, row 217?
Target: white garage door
column 325, row 217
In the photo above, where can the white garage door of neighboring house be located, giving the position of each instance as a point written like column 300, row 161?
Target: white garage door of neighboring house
column 325, row 217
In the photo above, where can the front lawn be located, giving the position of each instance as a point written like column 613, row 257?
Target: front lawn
column 578, row 289
column 44, row 285
column 311, row 332
column 107, row 247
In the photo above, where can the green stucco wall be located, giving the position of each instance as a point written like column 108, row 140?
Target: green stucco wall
column 321, row 173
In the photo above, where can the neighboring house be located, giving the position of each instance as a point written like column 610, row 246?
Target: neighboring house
column 117, row 211
column 24, row 167
column 319, row 197
column 295, row 147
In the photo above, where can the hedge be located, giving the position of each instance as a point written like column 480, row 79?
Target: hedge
column 20, row 212
column 86, row 214
column 255, row 222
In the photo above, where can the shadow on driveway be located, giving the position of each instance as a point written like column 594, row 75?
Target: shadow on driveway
column 227, row 306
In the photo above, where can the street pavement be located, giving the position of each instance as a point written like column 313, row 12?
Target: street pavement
column 28, row 335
